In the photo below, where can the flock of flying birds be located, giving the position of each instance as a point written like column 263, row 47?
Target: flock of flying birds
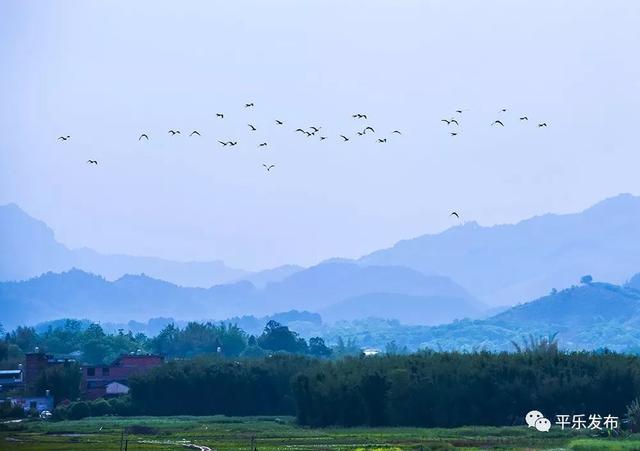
column 316, row 130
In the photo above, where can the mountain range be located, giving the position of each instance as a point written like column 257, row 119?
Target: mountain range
column 508, row 264
column 431, row 279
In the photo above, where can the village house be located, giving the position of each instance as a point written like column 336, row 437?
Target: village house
column 113, row 380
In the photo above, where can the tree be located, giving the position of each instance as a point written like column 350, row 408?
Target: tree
column 63, row 381
column 277, row 337
column 586, row 280
column 4, row 351
column 318, row 348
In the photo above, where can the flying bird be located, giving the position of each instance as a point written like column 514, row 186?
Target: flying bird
column 315, row 129
column 262, row 144
column 253, row 129
column 344, row 137
column 233, row 143
column 300, row 130
column 360, row 133
column 446, row 120
column 92, row 161
column 524, row 118
column 220, row 115
column 64, row 138
column 454, row 134
column 382, row 140
column 195, row 132
column 144, row 135
column 368, row 128
column 268, row 167
column 174, row 132
column 459, row 111
column 542, row 124
column 453, row 213
column 223, row 143
column 279, row 122
column 503, row 110
column 322, row 138
column 397, row 132
column 359, row 116
column 247, row 105
column 453, row 121
column 498, row 122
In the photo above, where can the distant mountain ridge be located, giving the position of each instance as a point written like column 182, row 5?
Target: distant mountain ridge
column 508, row 264
column 28, row 248
column 76, row 293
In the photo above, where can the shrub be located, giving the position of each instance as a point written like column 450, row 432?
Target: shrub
column 100, row 407
column 79, row 410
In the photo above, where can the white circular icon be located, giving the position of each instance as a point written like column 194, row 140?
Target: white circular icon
column 532, row 417
column 543, row 424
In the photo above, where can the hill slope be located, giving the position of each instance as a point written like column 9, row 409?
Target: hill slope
column 507, row 264
column 28, row 249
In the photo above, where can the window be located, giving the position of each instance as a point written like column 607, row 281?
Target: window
column 105, row 371
column 91, row 371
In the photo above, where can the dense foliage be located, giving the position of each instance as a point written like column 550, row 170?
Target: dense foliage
column 91, row 344
column 425, row 389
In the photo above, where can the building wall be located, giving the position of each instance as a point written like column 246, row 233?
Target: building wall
column 96, row 378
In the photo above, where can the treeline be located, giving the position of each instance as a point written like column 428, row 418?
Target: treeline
column 425, row 389
column 92, row 345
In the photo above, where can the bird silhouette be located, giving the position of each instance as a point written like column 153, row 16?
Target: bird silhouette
column 322, row 138
column 397, row 132
column 344, row 137
column 503, row 110
column 542, row 124
column 368, row 128
column 223, row 143
column 459, row 111
column 454, row 134
column 309, row 134
column 247, row 105
column 174, row 132
column 268, row 167
column 279, row 122
column 233, row 143
column 524, row 118
column 253, row 129
column 359, row 116
column 64, row 138
column 195, row 132
column 315, row 129
column 300, row 130
column 92, row 161
column 382, row 140
column 262, row 144
column 453, row 213
column 453, row 121
column 446, row 120
column 220, row 115
column 498, row 122
column 144, row 135
column 360, row 133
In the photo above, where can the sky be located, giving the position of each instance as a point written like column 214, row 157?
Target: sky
column 104, row 72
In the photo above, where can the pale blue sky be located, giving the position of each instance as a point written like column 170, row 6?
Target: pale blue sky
column 104, row 72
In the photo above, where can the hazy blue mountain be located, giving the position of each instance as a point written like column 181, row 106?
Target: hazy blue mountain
column 408, row 309
column 261, row 278
column 28, row 248
column 591, row 316
column 507, row 264
column 328, row 283
column 79, row 294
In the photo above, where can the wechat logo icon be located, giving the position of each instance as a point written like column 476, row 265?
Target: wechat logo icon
column 535, row 419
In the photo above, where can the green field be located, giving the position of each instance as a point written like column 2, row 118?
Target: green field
column 225, row 433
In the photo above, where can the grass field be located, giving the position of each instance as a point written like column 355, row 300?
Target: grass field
column 270, row 433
